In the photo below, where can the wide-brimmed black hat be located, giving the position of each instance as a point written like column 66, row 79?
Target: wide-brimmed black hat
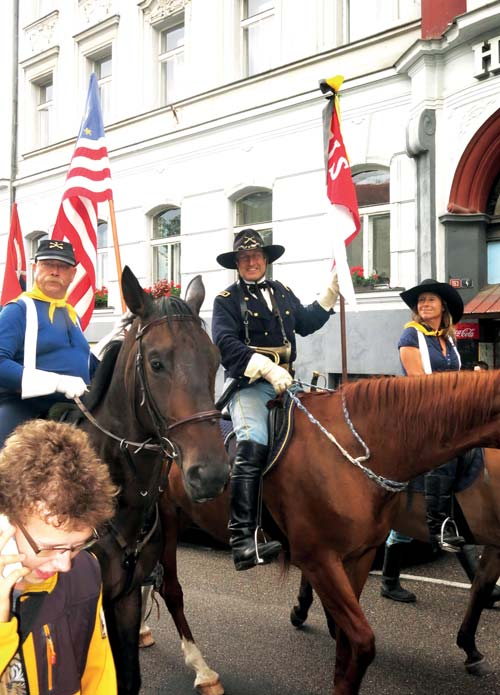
column 249, row 240
column 52, row 249
column 448, row 293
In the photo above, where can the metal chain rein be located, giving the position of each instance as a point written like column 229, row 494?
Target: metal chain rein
column 386, row 483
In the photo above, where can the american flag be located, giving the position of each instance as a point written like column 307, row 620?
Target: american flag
column 14, row 281
column 343, row 216
column 87, row 184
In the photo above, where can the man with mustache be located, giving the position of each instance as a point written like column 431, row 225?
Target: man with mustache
column 44, row 356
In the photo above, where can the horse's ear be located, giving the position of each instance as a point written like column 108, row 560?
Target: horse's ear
column 195, row 294
column 139, row 302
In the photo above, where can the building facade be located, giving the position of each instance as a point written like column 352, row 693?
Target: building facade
column 213, row 120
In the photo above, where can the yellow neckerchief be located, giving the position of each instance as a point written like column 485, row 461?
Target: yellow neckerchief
column 37, row 293
column 423, row 329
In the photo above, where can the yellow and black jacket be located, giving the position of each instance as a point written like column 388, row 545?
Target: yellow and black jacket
column 60, row 626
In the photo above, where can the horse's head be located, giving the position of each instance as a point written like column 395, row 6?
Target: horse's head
column 174, row 365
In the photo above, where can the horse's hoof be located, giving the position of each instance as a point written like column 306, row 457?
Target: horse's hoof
column 214, row 688
column 146, row 639
column 477, row 668
column 295, row 618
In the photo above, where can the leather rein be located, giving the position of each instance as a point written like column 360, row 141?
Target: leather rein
column 160, row 442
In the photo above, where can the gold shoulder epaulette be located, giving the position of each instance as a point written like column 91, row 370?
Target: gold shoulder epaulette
column 224, row 293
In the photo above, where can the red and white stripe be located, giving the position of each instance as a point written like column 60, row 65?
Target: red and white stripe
column 87, row 184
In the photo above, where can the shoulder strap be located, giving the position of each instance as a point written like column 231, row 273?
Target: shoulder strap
column 31, row 332
column 424, row 353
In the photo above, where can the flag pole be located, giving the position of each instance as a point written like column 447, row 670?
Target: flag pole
column 112, row 219
column 331, row 93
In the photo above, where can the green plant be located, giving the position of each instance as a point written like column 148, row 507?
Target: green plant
column 101, row 298
column 163, row 288
column 360, row 280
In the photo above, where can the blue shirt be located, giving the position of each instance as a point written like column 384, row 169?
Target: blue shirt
column 439, row 362
column 61, row 346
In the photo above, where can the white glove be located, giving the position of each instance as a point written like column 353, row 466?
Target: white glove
column 262, row 366
column 329, row 296
column 38, row 382
column 117, row 332
column 71, row 386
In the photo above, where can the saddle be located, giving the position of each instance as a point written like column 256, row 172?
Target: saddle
column 281, row 410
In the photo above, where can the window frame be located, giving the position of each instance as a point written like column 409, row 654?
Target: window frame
column 265, row 228
column 247, row 23
column 164, row 57
column 173, row 243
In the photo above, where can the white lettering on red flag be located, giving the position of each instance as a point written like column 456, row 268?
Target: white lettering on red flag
column 343, row 217
column 88, row 183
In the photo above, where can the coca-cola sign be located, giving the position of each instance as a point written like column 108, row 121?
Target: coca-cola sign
column 467, row 331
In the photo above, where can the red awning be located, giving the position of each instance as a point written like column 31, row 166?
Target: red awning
column 486, row 302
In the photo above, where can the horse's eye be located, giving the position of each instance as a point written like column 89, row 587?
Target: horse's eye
column 156, row 365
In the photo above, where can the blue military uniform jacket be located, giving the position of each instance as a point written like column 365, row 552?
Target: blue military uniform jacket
column 61, row 346
column 228, row 331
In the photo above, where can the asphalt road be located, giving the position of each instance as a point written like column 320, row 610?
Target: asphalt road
column 241, row 624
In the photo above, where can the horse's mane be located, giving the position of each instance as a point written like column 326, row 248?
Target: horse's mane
column 171, row 307
column 420, row 408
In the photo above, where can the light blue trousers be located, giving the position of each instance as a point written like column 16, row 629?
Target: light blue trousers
column 396, row 537
column 249, row 413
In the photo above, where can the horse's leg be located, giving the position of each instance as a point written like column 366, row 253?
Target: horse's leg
column 355, row 638
column 207, row 681
column 300, row 611
column 123, row 617
column 146, row 638
column 487, row 574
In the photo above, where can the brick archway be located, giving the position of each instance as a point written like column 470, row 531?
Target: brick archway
column 477, row 170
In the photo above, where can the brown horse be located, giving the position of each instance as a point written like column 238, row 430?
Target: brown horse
column 480, row 505
column 151, row 404
column 332, row 513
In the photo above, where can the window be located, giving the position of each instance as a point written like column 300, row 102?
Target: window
column 368, row 18
column 171, row 57
column 371, row 248
column 102, row 66
column 257, row 35
column 493, row 235
column 101, row 274
column 166, row 246
column 44, row 90
column 255, row 210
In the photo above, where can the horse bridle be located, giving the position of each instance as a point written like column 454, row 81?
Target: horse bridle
column 148, row 400
column 164, row 444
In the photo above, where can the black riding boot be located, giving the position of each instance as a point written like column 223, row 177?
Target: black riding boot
column 391, row 587
column 438, row 497
column 244, row 487
column 469, row 560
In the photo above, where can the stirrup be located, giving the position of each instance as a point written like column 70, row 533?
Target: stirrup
column 260, row 561
column 447, row 546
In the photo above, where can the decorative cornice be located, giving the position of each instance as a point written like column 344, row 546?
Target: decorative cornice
column 40, row 34
column 94, row 11
column 157, row 10
column 49, row 55
column 101, row 26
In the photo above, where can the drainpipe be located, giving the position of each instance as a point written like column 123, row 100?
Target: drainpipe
column 15, row 100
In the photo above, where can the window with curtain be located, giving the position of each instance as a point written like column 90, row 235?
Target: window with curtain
column 257, row 29
column 103, row 245
column 103, row 68
column 370, row 250
column 166, row 245
column 44, row 89
column 171, row 59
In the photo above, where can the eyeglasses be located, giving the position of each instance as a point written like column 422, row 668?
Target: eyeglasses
column 57, row 549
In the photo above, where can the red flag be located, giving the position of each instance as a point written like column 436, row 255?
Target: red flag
column 14, row 281
column 344, row 214
column 88, row 183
